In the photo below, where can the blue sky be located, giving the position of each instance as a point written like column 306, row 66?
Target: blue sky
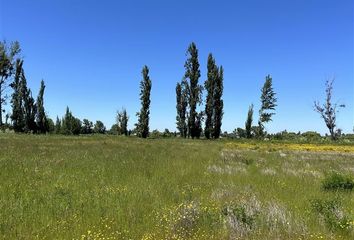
column 90, row 54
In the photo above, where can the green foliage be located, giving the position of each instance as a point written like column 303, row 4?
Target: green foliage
column 99, row 127
column 87, row 127
column 209, row 85
column 285, row 135
column 41, row 117
column 268, row 104
column 57, row 128
column 29, row 106
column 332, row 214
column 337, row 181
column 240, row 213
column 23, row 105
column 122, row 122
column 194, row 91
column 218, row 103
column 8, row 61
column 17, row 115
column 248, row 123
column 142, row 126
column 27, row 116
column 181, row 106
column 70, row 125
column 155, row 134
column 167, row 133
column 50, row 125
column 240, row 132
column 214, row 104
column 114, row 129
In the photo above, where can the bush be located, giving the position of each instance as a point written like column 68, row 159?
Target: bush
column 337, row 181
column 312, row 136
column 331, row 213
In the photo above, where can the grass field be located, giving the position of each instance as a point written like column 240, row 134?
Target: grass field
column 109, row 187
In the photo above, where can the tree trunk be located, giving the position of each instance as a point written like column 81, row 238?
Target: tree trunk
column 333, row 135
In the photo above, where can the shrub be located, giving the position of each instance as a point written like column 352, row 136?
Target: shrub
column 331, row 213
column 337, row 181
column 241, row 219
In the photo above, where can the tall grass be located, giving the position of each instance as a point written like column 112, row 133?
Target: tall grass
column 95, row 187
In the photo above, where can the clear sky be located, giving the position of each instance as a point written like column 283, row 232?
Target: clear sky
column 90, row 54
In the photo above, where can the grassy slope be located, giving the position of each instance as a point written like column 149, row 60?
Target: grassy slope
column 57, row 187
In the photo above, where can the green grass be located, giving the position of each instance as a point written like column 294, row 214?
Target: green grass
column 95, row 187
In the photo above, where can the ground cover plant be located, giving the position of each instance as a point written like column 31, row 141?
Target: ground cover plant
column 112, row 187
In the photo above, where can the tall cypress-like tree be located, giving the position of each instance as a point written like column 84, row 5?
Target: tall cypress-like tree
column 8, row 62
column 209, row 85
column 29, row 106
column 182, row 102
column 248, row 123
column 214, row 103
column 41, row 117
column 17, row 115
column 30, row 109
column 218, row 103
column 268, row 104
column 143, row 116
column 23, row 105
column 194, row 89
column 124, row 122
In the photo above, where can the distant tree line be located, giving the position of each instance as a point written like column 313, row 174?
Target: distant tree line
column 29, row 116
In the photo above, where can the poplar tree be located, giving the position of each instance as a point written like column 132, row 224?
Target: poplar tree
column 268, row 104
column 181, row 106
column 8, row 63
column 218, row 103
column 248, row 123
column 41, row 117
column 30, row 109
column 122, row 122
column 214, row 103
column 209, row 85
column 29, row 106
column 194, row 90
column 142, row 126
column 17, row 115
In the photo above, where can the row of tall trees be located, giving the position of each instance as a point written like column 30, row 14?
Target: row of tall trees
column 9, row 53
column 189, row 98
column 27, row 115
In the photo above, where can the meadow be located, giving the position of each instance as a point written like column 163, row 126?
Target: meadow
column 110, row 187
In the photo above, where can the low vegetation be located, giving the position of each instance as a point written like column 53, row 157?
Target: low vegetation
column 337, row 181
column 112, row 187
